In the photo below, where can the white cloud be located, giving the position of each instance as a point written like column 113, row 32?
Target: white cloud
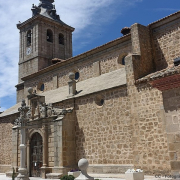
column 87, row 16
column 2, row 109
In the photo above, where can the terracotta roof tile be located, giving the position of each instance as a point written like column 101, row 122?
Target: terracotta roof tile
column 160, row 74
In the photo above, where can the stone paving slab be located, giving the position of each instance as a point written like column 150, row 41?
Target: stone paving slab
column 97, row 176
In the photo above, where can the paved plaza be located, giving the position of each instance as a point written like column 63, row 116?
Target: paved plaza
column 97, row 176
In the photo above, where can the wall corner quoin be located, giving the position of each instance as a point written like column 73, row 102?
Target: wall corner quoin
column 141, row 44
column 131, row 66
column 135, row 40
column 139, row 35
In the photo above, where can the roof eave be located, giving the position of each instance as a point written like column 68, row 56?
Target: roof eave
column 165, row 20
column 20, row 25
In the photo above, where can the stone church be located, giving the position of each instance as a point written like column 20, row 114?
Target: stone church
column 117, row 105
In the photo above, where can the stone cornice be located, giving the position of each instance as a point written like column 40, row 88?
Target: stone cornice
column 105, row 47
column 40, row 17
column 165, row 20
column 20, row 86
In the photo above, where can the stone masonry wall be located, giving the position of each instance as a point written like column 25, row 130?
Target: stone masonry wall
column 6, row 124
column 104, row 133
column 68, row 140
column 150, row 147
column 28, row 68
column 67, row 145
column 108, row 62
column 20, row 95
column 150, row 140
column 166, row 42
column 172, row 120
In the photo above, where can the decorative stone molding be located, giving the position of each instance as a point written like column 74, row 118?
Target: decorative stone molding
column 22, row 120
column 39, row 109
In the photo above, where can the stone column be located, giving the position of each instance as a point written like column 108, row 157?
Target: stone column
column 22, row 170
column 44, row 168
column 28, row 160
column 58, row 151
column 21, row 123
column 45, row 147
column 15, row 149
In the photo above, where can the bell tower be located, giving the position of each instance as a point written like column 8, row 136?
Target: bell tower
column 42, row 37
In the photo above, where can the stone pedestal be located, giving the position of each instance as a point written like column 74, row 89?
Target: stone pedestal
column 23, row 174
column 134, row 174
column 54, row 175
column 44, row 171
column 83, row 165
column 75, row 174
column 72, row 84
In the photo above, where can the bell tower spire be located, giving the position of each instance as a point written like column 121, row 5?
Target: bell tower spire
column 46, row 3
column 45, row 8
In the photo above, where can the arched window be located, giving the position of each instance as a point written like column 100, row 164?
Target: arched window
column 42, row 87
column 121, row 59
column 61, row 39
column 29, row 38
column 49, row 35
column 77, row 75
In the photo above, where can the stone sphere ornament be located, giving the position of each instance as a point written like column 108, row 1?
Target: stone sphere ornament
column 83, row 165
column 71, row 75
column 30, row 90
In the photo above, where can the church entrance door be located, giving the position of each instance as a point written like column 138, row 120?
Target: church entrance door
column 36, row 155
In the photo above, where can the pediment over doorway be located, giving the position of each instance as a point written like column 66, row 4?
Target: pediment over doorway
column 38, row 109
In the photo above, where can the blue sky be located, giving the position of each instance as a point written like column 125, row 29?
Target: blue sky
column 96, row 22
